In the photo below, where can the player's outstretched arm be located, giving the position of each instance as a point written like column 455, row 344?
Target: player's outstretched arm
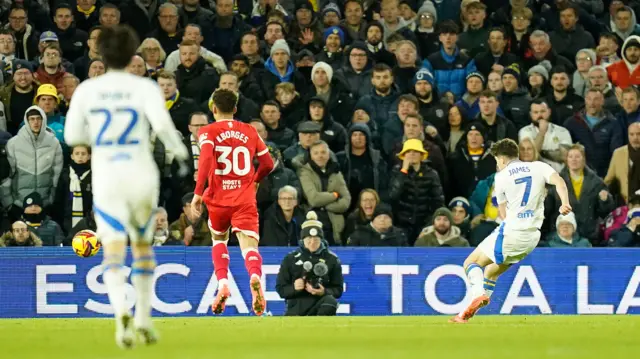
column 563, row 192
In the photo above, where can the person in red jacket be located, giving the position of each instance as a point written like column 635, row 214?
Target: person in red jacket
column 626, row 72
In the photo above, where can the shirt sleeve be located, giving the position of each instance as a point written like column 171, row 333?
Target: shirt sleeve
column 545, row 170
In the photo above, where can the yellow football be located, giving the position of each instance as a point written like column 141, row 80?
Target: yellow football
column 85, row 243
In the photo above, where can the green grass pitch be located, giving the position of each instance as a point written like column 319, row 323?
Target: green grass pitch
column 520, row 337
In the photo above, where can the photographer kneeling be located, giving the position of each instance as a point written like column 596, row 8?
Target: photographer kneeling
column 310, row 278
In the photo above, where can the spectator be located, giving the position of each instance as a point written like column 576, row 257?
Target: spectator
column 607, row 49
column 588, row 195
column 74, row 199
column 180, row 107
column 361, row 165
column 496, row 58
column 86, row 15
column 540, row 50
column 262, row 11
column 618, row 218
column 246, row 108
column 528, row 150
column 38, row 222
column 376, row 48
column 356, row 71
column 585, row 59
column 72, row 40
column 137, row 66
column 563, row 102
column 461, row 209
column 571, row 36
column 283, row 219
column 169, row 31
column 279, row 177
column 442, row 233
column 339, row 100
column 497, row 127
column 598, row 80
column 278, row 133
column 96, row 68
column 334, row 41
column 380, row 232
column 426, row 36
column 25, row 34
column 515, row 98
column 81, row 64
column 20, row 236
column 520, row 32
column 449, row 66
column 382, row 101
column 110, row 15
column 429, row 105
column 550, row 139
column 18, row 95
column 248, row 85
column 472, row 158
column 193, row 13
column 623, row 73
column 484, row 211
column 47, row 99
column 597, row 130
column 274, row 31
column 566, row 235
column 195, row 79
column 31, row 171
column 279, row 68
column 193, row 32
column 354, row 22
column 415, row 191
column 406, row 65
column 455, row 132
column 630, row 104
column 629, row 235
column 308, row 133
column 332, row 133
column 7, row 53
column 475, row 37
column 393, row 129
column 408, row 9
column 306, row 29
column 154, row 55
column 392, row 22
column 162, row 236
column 623, row 23
column 292, row 107
column 69, row 84
column 50, row 70
column 363, row 214
column 191, row 231
column 624, row 168
column 197, row 120
column 325, row 190
column 539, row 79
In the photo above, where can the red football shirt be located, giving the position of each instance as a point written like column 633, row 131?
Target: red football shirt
column 227, row 149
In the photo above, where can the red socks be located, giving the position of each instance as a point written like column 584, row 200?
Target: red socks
column 253, row 262
column 220, row 257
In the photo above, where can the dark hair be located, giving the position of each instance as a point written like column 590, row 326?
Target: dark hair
column 8, row 32
column 610, row 36
column 488, row 94
column 381, row 67
column 355, row 1
column 198, row 113
column 16, row 6
column 447, row 27
column 284, row 32
column 224, row 100
column 270, row 103
column 196, row 26
column 569, row 7
column 505, row 147
column 249, row 33
column 624, row 9
column 499, row 29
column 409, row 98
column 55, row 46
column 539, row 101
column 34, row 112
column 117, row 45
column 108, row 6
column 63, row 6
column 634, row 199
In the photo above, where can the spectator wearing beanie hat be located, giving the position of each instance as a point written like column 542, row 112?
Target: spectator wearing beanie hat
column 338, row 99
column 475, row 83
column 566, row 234
column 408, row 9
column 331, row 15
column 442, row 233
column 17, row 95
column 539, row 79
column 279, row 68
column 426, row 36
column 356, row 71
column 376, row 47
column 472, row 158
column 39, row 223
column 380, row 232
column 306, row 29
column 333, row 39
column 429, row 105
column 461, row 210
column 415, row 190
column 514, row 98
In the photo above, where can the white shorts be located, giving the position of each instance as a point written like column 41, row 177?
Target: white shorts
column 125, row 210
column 509, row 247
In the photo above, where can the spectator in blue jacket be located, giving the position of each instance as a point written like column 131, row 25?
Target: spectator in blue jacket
column 382, row 103
column 450, row 66
column 566, row 234
column 597, row 130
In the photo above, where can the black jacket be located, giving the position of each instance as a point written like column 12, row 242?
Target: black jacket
column 225, row 42
column 247, row 109
column 485, row 60
column 335, row 60
column 64, row 199
column 277, row 232
column 294, row 113
column 81, row 66
column 359, row 84
column 181, row 112
column 415, row 195
column 85, row 23
column 333, row 133
column 142, row 20
column 474, row 172
column 281, row 176
column 201, row 17
column 428, row 42
column 403, row 78
column 341, row 102
column 299, row 302
column 73, row 42
column 565, row 108
column 281, row 136
column 501, row 128
column 169, row 43
column 367, row 236
column 516, row 107
column 553, row 57
column 198, row 82
column 250, row 89
column 568, row 43
column 268, row 81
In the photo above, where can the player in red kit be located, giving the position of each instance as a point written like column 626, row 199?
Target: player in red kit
column 227, row 149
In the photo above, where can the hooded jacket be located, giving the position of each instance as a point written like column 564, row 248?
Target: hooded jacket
column 402, row 28
column 367, row 236
column 428, row 238
column 36, row 164
column 8, row 240
column 333, row 133
column 450, row 72
column 359, row 84
column 380, row 108
column 278, row 231
column 197, row 82
column 623, row 73
column 634, row 28
column 516, row 106
column 341, row 102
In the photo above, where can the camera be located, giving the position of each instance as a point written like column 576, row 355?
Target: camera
column 314, row 273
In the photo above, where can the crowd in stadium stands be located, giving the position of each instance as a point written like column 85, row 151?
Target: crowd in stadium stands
column 379, row 114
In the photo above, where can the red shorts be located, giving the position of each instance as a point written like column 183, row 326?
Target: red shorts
column 241, row 218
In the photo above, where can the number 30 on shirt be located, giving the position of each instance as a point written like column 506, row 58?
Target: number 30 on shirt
column 239, row 164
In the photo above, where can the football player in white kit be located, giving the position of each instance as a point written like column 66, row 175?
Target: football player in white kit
column 113, row 114
column 520, row 191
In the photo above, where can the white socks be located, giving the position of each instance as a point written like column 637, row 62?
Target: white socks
column 476, row 277
column 143, row 283
column 115, row 279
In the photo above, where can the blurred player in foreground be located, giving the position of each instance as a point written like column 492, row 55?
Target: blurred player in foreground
column 227, row 149
column 520, row 191
column 112, row 113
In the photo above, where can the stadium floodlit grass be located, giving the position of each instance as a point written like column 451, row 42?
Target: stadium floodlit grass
column 342, row 337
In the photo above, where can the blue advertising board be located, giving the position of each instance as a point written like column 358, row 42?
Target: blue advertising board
column 53, row 282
